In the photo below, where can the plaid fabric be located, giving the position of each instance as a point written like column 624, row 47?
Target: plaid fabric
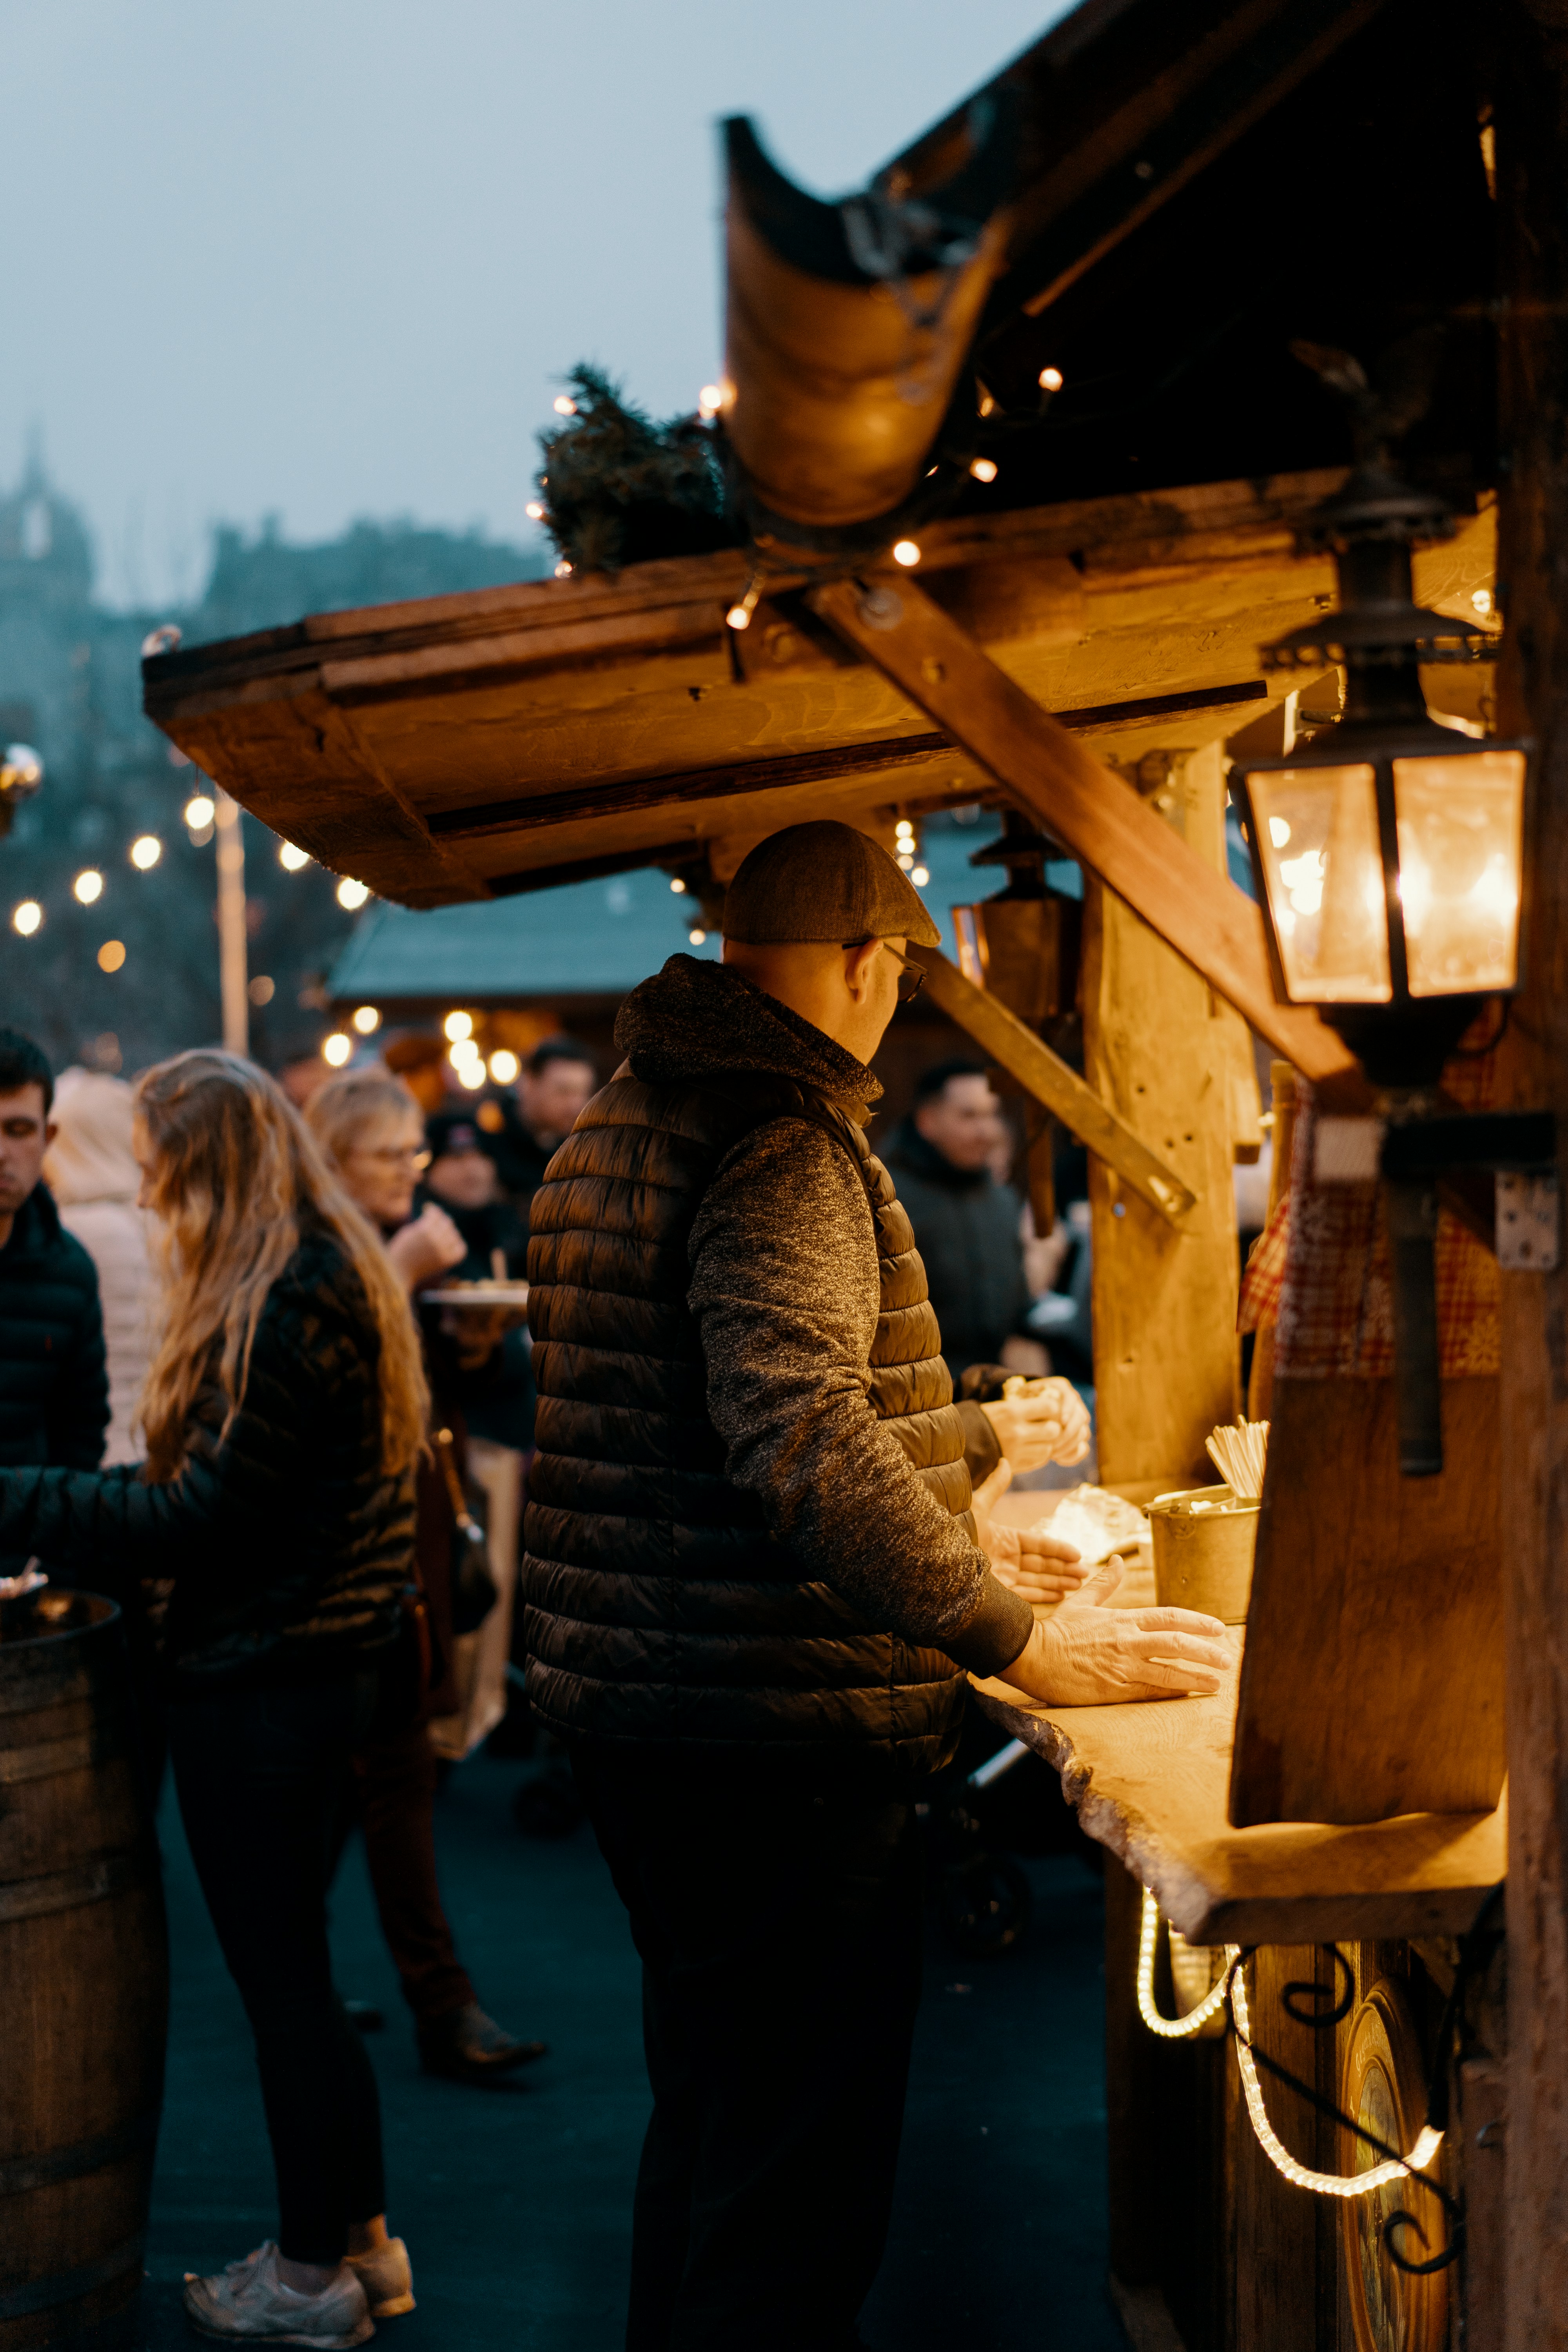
column 1318, row 1271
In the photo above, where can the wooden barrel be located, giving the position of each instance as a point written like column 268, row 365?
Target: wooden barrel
column 84, row 1978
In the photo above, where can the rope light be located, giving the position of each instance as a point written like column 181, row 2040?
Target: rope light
column 1232, row 1984
column 1175, row 2029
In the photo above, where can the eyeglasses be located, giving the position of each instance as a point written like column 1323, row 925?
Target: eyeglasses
column 911, row 976
column 405, row 1155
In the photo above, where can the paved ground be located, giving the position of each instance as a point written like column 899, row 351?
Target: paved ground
column 515, row 2202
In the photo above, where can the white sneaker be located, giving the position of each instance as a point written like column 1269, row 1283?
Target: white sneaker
column 249, row 2300
column 388, row 2278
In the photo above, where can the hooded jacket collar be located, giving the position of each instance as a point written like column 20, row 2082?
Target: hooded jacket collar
column 693, row 1023
column 36, row 1226
column 914, row 1151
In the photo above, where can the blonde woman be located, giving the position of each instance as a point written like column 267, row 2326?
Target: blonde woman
column 283, row 1411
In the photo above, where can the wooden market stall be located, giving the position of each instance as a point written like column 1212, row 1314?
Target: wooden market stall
column 1025, row 465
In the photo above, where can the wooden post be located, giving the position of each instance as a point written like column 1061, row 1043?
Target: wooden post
column 232, row 944
column 1531, row 46
column 1158, row 1047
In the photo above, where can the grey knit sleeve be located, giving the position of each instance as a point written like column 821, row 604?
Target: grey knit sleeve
column 785, row 1291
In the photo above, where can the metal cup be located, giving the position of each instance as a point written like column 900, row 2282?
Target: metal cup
column 1204, row 1543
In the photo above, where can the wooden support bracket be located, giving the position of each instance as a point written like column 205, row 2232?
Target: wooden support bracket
column 1047, row 1077
column 1087, row 807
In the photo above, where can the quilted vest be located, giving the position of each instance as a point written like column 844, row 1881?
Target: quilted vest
column 660, row 1613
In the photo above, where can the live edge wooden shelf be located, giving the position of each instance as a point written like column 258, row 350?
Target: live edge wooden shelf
column 1150, row 1782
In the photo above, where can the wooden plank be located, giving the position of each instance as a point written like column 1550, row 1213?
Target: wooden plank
column 1374, row 1683
column 1210, row 922
column 1047, row 1077
column 1157, row 1046
column 1150, row 1783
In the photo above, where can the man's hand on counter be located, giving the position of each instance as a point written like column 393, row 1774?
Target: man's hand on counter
column 1048, row 1423
column 1085, row 1654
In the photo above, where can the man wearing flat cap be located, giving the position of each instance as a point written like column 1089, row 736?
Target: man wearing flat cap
column 753, row 1587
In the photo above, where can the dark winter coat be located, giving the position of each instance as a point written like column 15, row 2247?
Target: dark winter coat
column 286, row 1544
column 966, row 1230
column 54, row 1386
column 748, row 1529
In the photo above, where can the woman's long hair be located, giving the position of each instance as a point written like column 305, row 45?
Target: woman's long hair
column 236, row 1176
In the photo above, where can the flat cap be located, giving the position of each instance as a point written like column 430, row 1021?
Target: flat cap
column 824, row 881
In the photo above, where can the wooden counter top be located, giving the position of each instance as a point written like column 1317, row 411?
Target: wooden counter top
column 1150, row 1782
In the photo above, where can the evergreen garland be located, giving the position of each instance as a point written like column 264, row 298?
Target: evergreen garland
column 619, row 488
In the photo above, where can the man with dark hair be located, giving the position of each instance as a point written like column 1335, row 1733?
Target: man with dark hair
column 553, row 1084
column 755, row 1585
column 966, row 1224
column 54, row 1384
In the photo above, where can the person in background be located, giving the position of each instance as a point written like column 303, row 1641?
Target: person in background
column 463, row 1179
column 54, row 1386
column 482, row 1364
column 553, row 1084
column 370, row 1127
column 297, row 1064
column 283, row 1411
column 967, row 1223
column 91, row 1171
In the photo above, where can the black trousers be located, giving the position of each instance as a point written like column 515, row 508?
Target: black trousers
column 780, row 1938
column 395, row 1778
column 260, row 1777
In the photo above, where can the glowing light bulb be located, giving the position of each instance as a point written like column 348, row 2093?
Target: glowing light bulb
column 562, row 405
column 27, row 918
column 1279, row 832
column 677, row 885
column 292, row 860
column 697, row 938
column 146, row 852
column 711, row 399
column 1482, row 600
column 367, row 1020
column 1172, row 2029
column 111, row 955
column 336, row 1049
column 88, row 885
column 563, row 569
column 199, row 813
column 1323, row 2184
column 905, row 829
column 504, row 1067
column 352, row 895
column 458, row 1025
column 738, row 617
column 920, row 876
column 984, row 469
column 534, row 511
column 907, row 859
column 1051, row 379
column 906, row 551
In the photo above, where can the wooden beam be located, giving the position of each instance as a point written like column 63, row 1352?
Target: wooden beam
column 1088, row 808
column 1050, row 1081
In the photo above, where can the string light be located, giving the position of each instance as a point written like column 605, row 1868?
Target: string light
column 88, row 885
column 906, row 551
column 111, row 955
column 458, row 1025
column 27, row 918
column 677, row 885
column 504, row 1066
column 146, row 852
column 1323, row 2184
column 367, row 1020
column 697, row 938
column 739, row 616
column 1051, row 379
column 291, row 859
column 562, row 405
column 920, row 875
column 199, row 813
column 534, row 511
column 984, row 469
column 353, row 894
column 1175, row 2029
column 563, row 570
column 711, row 399
column 262, row 989
column 336, row 1049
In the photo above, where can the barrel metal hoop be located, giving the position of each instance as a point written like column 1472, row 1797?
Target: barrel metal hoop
column 65, row 2286
column 20, row 2173
column 65, row 1890
column 44, row 1758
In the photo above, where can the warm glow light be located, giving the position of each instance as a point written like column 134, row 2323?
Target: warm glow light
column 905, row 552
column 711, row 399
column 27, row 918
column 199, row 813
column 336, row 1049
column 458, row 1025
column 88, row 885
column 534, row 511
column 1482, row 600
column 367, row 1020
column 697, row 938
column 919, row 877
column 504, row 1067
column 1327, row 896
column 984, row 469
column 563, row 569
column 292, row 859
column 562, row 405
column 262, row 989
column 738, row 617
column 146, row 852
column 1279, row 832
column 677, row 885
column 353, row 894
column 1174, row 2029
column 462, row 1053
column 111, row 955
column 905, row 859
column 1460, row 823
column 1051, row 379
column 905, row 828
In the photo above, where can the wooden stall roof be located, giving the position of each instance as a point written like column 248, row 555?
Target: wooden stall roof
column 471, row 746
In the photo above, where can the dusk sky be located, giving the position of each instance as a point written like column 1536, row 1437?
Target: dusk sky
column 328, row 258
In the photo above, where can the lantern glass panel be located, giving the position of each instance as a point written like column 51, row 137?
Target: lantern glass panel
column 1318, row 842
column 1461, row 819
